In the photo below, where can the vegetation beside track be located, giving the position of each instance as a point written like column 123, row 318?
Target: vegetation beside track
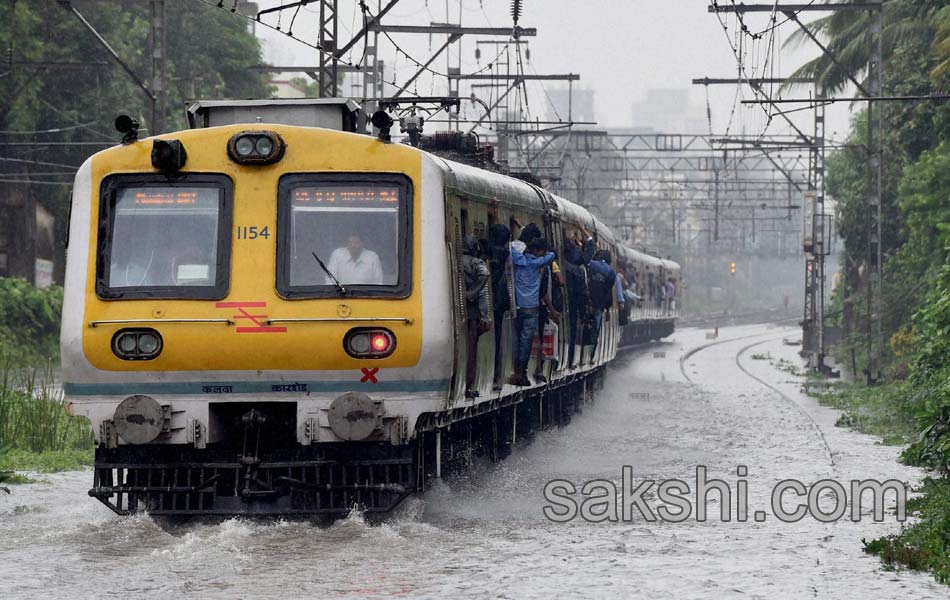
column 910, row 399
column 914, row 410
column 35, row 432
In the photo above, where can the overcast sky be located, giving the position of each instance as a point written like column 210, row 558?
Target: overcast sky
column 620, row 48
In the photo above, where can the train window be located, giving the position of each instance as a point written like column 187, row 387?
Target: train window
column 344, row 234
column 161, row 238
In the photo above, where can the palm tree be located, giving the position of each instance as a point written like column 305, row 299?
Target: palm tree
column 941, row 21
column 845, row 34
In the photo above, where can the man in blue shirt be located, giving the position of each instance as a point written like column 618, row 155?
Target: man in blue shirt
column 602, row 290
column 528, row 264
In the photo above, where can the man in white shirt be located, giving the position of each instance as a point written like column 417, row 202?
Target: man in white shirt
column 355, row 265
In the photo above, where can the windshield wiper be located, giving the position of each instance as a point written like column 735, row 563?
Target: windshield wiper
column 336, row 282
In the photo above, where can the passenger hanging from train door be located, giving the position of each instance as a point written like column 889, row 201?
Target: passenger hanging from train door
column 631, row 291
column 602, row 281
column 622, row 308
column 527, row 264
column 528, row 234
column 476, row 307
column 670, row 296
column 499, row 236
column 552, row 303
column 577, row 253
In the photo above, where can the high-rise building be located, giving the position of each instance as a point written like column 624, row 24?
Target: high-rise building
column 576, row 102
column 669, row 111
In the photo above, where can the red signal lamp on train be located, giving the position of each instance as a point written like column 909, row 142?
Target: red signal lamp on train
column 379, row 342
column 364, row 342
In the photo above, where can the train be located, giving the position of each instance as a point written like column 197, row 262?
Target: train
column 226, row 371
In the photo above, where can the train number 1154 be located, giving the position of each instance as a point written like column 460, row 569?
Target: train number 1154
column 252, row 232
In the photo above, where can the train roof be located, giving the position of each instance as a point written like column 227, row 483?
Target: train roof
column 478, row 183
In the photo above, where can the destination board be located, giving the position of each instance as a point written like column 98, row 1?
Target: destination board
column 345, row 195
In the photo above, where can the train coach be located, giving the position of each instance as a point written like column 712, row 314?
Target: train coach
column 226, row 370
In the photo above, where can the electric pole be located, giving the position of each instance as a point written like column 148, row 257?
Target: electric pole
column 158, row 57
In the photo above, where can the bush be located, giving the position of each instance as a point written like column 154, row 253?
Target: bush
column 930, row 380
column 925, row 545
column 29, row 322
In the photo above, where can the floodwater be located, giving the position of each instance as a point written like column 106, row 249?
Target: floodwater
column 485, row 535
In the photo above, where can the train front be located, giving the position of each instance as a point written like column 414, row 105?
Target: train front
column 244, row 320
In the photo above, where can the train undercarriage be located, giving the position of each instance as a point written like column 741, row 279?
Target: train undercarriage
column 640, row 331
column 252, row 474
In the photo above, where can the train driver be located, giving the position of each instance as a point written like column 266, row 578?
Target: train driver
column 355, row 264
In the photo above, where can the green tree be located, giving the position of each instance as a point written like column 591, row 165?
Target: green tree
column 845, row 35
column 208, row 55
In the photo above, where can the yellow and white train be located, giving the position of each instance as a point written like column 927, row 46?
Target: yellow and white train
column 225, row 371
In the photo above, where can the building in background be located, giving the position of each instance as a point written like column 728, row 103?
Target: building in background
column 27, row 236
column 576, row 102
column 291, row 88
column 668, row 111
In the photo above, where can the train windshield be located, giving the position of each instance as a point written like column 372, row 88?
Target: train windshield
column 162, row 240
column 344, row 235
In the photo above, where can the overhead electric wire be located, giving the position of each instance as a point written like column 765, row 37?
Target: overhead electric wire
column 65, row 115
column 422, row 65
column 788, row 18
column 38, row 162
column 220, row 4
column 51, row 130
column 737, row 50
column 36, row 182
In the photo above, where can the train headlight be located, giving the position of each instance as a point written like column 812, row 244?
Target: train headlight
column 126, row 344
column 137, row 344
column 244, row 146
column 366, row 342
column 148, row 343
column 256, row 148
column 264, row 146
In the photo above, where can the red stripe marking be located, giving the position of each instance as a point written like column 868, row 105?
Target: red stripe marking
column 253, row 320
column 240, row 304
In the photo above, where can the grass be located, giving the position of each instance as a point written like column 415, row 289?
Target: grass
column 36, row 434
column 19, row 479
column 789, row 367
column 890, row 411
column 33, row 416
column 882, row 411
column 924, row 545
column 48, row 461
column 761, row 356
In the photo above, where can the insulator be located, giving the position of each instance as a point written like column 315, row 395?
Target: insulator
column 515, row 11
